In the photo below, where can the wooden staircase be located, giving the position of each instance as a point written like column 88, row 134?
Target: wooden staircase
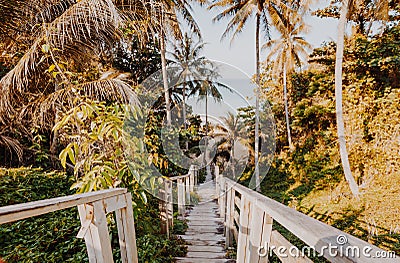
column 205, row 229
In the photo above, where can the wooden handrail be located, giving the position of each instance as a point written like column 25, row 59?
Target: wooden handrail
column 256, row 214
column 175, row 178
column 92, row 208
column 185, row 184
column 21, row 211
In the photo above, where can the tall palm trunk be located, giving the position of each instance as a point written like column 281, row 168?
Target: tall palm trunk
column 286, row 105
column 233, row 159
column 184, row 112
column 165, row 78
column 338, row 95
column 205, row 159
column 257, row 122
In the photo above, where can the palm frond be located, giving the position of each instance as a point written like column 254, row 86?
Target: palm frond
column 41, row 111
column 12, row 145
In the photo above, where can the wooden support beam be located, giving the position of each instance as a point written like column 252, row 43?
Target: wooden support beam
column 169, row 203
column 187, row 190
column 244, row 230
column 229, row 218
column 222, row 199
column 100, row 234
column 260, row 235
column 162, row 206
column 192, row 177
column 86, row 215
column 181, row 198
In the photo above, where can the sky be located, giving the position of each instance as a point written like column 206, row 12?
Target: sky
column 237, row 58
column 240, row 52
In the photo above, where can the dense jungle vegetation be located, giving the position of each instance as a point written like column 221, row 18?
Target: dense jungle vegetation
column 70, row 96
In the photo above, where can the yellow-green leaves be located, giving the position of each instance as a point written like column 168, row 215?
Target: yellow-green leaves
column 97, row 145
column 69, row 151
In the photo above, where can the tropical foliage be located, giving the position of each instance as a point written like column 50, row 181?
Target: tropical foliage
column 71, row 112
column 311, row 177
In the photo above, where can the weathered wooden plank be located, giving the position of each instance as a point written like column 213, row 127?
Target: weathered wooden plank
column 121, row 234
column 205, row 248
column 86, row 213
column 244, row 221
column 205, row 255
column 181, row 198
column 162, row 206
column 130, row 233
column 114, row 203
column 187, row 190
column 256, row 232
column 260, row 234
column 192, row 177
column 126, row 232
column 21, row 211
column 229, row 224
column 100, row 235
column 169, row 204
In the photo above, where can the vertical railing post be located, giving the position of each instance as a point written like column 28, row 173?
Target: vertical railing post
column 100, row 235
column 222, row 199
column 191, row 177
column 169, row 203
column 260, row 235
column 162, row 195
column 86, row 216
column 126, row 231
column 217, row 181
column 244, row 227
column 187, row 190
column 181, row 198
column 229, row 221
column 196, row 175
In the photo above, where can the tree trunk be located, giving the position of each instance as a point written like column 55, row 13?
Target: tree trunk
column 165, row 79
column 338, row 95
column 257, row 121
column 184, row 112
column 233, row 160
column 286, row 106
column 205, row 158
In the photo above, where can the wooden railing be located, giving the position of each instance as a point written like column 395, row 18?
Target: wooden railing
column 92, row 208
column 184, row 185
column 249, row 216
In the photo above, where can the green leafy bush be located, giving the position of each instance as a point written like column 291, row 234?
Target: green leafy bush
column 52, row 237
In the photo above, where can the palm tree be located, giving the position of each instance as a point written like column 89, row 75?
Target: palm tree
column 186, row 57
column 348, row 7
column 166, row 13
column 232, row 131
column 68, row 35
column 289, row 50
column 242, row 11
column 207, row 85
